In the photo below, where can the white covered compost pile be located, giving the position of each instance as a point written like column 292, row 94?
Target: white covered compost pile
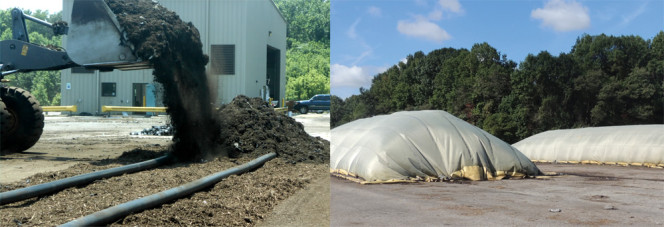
column 423, row 144
column 623, row 145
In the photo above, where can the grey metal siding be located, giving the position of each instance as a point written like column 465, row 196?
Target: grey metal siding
column 228, row 26
column 83, row 92
column 242, row 23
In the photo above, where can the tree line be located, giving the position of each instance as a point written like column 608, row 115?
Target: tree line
column 308, row 47
column 44, row 85
column 604, row 80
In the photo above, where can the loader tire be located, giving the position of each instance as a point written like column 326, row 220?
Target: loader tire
column 21, row 120
column 304, row 110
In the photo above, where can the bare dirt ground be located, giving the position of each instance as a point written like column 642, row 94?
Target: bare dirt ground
column 67, row 141
column 311, row 205
column 584, row 195
column 76, row 145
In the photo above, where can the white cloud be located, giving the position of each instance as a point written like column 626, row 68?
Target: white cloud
column 351, row 30
column 423, row 28
column 375, row 11
column 344, row 76
column 353, row 76
column 404, row 60
column 562, row 15
column 347, row 80
column 451, row 5
column 436, row 14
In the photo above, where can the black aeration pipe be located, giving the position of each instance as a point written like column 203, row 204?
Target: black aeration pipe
column 116, row 212
column 54, row 186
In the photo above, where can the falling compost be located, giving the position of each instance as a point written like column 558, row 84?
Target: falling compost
column 174, row 49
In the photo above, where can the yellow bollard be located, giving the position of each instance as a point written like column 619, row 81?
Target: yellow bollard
column 59, row 108
column 132, row 109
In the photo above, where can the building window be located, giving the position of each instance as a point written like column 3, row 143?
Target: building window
column 81, row 70
column 223, row 59
column 108, row 89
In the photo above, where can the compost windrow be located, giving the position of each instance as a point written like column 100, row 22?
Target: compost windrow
column 175, row 51
column 251, row 128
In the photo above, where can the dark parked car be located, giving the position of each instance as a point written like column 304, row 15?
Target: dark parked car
column 318, row 102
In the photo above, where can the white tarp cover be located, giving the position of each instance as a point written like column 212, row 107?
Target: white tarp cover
column 422, row 144
column 624, row 145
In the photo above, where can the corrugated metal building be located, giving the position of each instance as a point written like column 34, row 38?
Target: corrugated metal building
column 246, row 42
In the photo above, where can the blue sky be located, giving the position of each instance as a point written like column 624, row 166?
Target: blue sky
column 367, row 37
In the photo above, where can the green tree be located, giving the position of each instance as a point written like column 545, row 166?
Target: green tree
column 44, row 85
column 308, row 47
column 338, row 111
column 603, row 80
column 307, row 70
column 308, row 20
column 656, row 70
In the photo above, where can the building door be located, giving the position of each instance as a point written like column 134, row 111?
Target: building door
column 273, row 72
column 138, row 95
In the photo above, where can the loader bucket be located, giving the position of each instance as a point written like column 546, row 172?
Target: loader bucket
column 96, row 40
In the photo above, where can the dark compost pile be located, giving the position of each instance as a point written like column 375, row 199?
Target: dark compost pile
column 251, row 127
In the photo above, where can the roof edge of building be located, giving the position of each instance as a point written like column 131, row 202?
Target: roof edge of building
column 278, row 11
